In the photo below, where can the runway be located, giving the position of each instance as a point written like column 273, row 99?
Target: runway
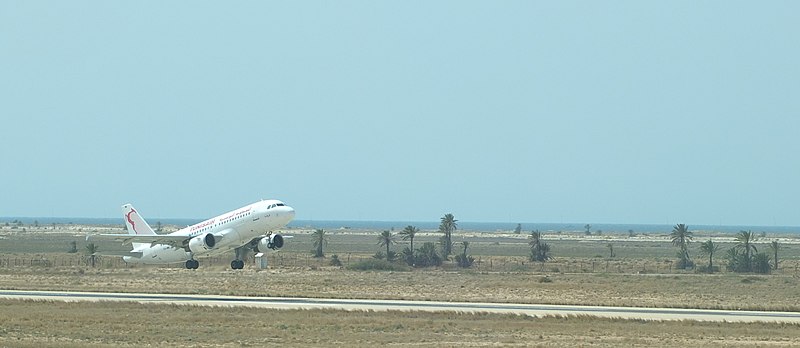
column 401, row 305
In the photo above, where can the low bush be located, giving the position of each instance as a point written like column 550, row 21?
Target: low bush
column 376, row 265
column 705, row 269
column 464, row 261
column 335, row 260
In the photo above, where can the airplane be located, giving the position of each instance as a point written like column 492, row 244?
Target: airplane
column 247, row 228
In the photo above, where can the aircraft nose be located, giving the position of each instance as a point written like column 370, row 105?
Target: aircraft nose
column 289, row 213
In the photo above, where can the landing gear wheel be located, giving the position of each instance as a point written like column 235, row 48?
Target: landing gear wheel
column 192, row 264
column 237, row 264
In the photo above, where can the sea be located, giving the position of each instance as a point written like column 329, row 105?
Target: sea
column 434, row 225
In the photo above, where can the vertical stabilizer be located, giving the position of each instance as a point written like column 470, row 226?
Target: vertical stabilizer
column 135, row 222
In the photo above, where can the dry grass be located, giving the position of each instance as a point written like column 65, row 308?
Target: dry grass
column 648, row 282
column 682, row 291
column 57, row 324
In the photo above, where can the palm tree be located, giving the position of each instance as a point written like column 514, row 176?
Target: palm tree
column 91, row 251
column 447, row 227
column 386, row 239
column 409, row 233
column 775, row 246
column 535, row 239
column 745, row 240
column 709, row 248
column 544, row 252
column 465, row 244
column 540, row 251
column 681, row 236
column 611, row 249
column 320, row 239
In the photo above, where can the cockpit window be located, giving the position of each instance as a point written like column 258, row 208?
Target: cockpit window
column 279, row 204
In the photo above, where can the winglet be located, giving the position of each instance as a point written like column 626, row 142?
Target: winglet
column 135, row 222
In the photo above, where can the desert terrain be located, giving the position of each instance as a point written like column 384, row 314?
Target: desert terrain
column 642, row 274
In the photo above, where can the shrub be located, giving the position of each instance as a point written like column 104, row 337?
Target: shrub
column 758, row 263
column 376, row 265
column 749, row 280
column 464, row 261
column 705, row 269
column 684, row 263
column 335, row 260
column 737, row 261
column 427, row 256
column 408, row 256
column 761, row 263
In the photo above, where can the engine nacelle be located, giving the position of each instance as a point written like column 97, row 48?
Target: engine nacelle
column 201, row 244
column 273, row 242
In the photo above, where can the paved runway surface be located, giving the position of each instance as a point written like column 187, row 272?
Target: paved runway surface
column 383, row 305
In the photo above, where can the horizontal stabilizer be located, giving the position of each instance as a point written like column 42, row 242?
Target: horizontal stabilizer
column 173, row 240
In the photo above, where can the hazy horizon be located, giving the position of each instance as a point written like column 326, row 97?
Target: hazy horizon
column 628, row 111
column 485, row 226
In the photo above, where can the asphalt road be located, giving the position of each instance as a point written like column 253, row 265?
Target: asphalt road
column 400, row 305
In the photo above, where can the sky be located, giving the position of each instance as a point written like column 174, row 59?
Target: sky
column 642, row 112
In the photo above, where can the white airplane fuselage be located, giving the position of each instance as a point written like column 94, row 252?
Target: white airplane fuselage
column 233, row 229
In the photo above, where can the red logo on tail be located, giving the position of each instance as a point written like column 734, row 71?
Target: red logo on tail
column 133, row 224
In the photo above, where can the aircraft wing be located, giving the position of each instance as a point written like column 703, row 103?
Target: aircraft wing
column 137, row 254
column 139, row 238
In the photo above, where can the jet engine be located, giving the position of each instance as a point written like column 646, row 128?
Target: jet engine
column 274, row 242
column 202, row 243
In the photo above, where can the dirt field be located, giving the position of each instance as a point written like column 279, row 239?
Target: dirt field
column 53, row 324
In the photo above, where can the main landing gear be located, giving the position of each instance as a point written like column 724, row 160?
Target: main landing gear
column 240, row 254
column 237, row 264
column 192, row 264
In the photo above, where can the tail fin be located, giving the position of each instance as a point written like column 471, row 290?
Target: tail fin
column 135, row 222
